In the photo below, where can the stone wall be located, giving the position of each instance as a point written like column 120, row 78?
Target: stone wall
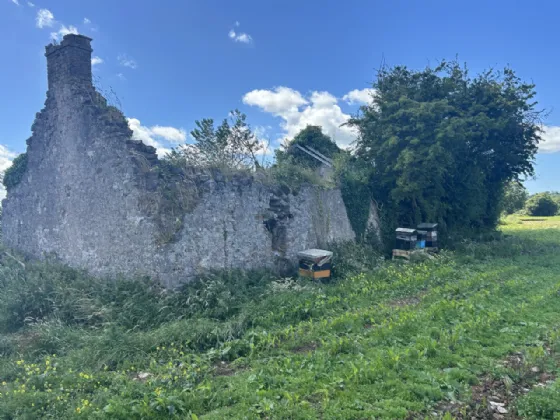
column 93, row 198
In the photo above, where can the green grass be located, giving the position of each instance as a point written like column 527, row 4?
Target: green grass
column 395, row 341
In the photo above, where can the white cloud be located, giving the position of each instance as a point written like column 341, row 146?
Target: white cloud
column 44, row 18
column 96, row 60
column 121, row 76
column 16, row 2
column 359, row 96
column 162, row 138
column 261, row 131
column 279, row 101
column 320, row 108
column 550, row 140
column 64, row 30
column 267, row 146
column 239, row 37
column 172, row 134
column 127, row 61
column 90, row 26
column 6, row 158
column 30, row 4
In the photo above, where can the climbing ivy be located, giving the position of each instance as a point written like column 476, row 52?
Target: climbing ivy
column 14, row 174
column 354, row 186
column 356, row 196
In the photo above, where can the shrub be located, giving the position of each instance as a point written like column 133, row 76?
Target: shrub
column 541, row 204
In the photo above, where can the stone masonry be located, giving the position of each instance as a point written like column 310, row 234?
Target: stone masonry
column 93, row 197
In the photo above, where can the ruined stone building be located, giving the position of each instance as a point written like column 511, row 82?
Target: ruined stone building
column 96, row 199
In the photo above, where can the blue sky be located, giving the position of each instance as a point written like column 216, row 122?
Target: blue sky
column 285, row 64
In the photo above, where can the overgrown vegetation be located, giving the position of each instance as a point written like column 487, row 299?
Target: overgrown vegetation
column 14, row 174
column 514, row 198
column 353, row 177
column 384, row 340
column 542, row 204
column 231, row 145
column 442, row 145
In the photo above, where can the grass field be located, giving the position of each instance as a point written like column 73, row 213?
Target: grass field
column 474, row 333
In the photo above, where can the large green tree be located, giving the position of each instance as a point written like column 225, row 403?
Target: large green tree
column 441, row 145
column 311, row 136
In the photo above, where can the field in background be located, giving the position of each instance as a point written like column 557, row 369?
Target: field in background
column 472, row 333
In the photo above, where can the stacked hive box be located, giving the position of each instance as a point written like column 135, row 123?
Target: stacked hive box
column 407, row 241
column 429, row 231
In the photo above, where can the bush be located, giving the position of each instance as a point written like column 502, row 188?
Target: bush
column 352, row 258
column 542, row 204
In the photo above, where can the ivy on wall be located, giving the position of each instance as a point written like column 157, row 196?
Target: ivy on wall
column 353, row 180
column 356, row 196
column 14, row 174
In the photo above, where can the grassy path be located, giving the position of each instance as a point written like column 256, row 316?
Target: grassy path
column 402, row 342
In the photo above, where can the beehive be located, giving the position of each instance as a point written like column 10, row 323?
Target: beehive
column 315, row 263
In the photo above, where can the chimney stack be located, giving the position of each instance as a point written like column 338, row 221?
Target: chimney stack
column 69, row 62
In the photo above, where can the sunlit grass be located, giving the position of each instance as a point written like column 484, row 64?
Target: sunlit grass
column 393, row 342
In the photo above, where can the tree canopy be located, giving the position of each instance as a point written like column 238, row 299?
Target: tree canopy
column 542, row 204
column 231, row 145
column 441, row 146
column 311, row 136
column 514, row 198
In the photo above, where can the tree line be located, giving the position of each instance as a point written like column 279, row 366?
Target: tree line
column 435, row 145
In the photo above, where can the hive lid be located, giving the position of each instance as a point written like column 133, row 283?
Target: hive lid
column 406, row 230
column 315, row 254
column 427, row 225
